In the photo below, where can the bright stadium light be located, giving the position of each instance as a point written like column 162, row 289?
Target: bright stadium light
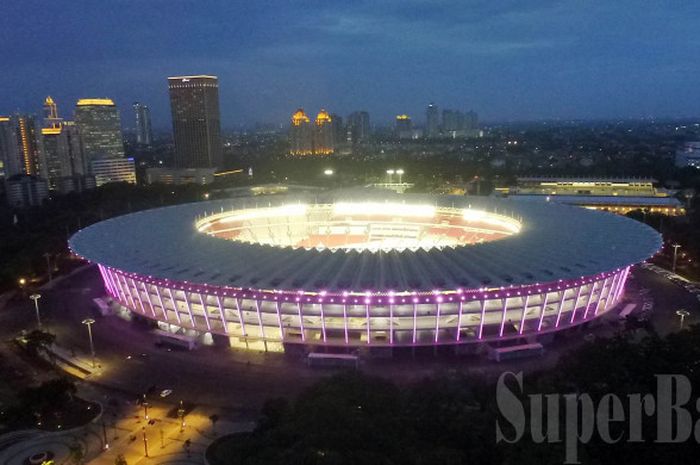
column 296, row 209
column 385, row 209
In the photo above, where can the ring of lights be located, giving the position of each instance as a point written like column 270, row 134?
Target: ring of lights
column 357, row 270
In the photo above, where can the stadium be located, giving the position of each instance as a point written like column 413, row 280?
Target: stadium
column 345, row 270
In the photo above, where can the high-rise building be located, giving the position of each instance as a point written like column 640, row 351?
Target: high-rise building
column 194, row 103
column 432, row 118
column 358, row 126
column 142, row 116
column 62, row 148
column 300, row 134
column 324, row 143
column 21, row 147
column 24, row 190
column 103, row 148
column 100, row 129
column 338, row 128
column 452, row 121
column 9, row 158
column 403, row 127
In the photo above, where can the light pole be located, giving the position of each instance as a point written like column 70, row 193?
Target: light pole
column 35, row 297
column 328, row 172
column 181, row 415
column 390, row 173
column 400, row 173
column 145, row 407
column 682, row 313
column 675, row 255
column 48, row 265
column 89, row 322
column 145, row 442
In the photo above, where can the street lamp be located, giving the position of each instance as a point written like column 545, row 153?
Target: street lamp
column 89, row 322
column 390, row 173
column 35, row 297
column 675, row 255
column 145, row 407
column 145, row 442
column 181, row 416
column 682, row 313
column 48, row 265
column 328, row 172
column 400, row 173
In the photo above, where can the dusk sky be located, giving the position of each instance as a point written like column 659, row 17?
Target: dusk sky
column 507, row 60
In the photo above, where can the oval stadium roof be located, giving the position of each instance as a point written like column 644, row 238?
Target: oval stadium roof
column 556, row 242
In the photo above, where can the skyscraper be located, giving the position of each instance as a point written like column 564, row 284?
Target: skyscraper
column 103, row 148
column 403, row 127
column 358, row 126
column 338, row 128
column 324, row 143
column 432, row 118
column 9, row 159
column 62, row 147
column 21, row 147
column 142, row 114
column 300, row 134
column 194, row 103
column 100, row 128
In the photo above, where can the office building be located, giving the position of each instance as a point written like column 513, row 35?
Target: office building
column 301, row 134
column 432, row 121
column 194, row 103
column 8, row 148
column 358, row 127
column 25, row 190
column 21, row 147
column 62, row 148
column 403, row 127
column 109, row 170
column 179, row 176
column 99, row 124
column 338, row 128
column 142, row 117
column 324, row 139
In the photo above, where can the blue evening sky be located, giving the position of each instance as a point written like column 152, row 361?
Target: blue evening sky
column 508, row 60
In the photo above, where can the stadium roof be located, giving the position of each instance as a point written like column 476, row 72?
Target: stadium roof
column 556, row 242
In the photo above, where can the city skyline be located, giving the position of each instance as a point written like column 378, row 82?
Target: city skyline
column 542, row 60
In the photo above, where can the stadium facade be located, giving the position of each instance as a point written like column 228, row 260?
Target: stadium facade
column 350, row 270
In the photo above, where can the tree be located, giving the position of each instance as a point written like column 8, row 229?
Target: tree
column 39, row 340
column 76, row 453
column 213, row 418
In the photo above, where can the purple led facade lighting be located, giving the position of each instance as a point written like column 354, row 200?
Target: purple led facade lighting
column 416, row 271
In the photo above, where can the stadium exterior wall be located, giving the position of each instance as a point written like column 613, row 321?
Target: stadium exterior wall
column 270, row 319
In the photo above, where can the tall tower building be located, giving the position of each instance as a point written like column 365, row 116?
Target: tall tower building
column 358, row 126
column 432, row 118
column 9, row 155
column 62, row 148
column 142, row 115
column 324, row 143
column 21, row 147
column 100, row 128
column 194, row 103
column 338, row 128
column 403, row 126
column 103, row 148
column 301, row 141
